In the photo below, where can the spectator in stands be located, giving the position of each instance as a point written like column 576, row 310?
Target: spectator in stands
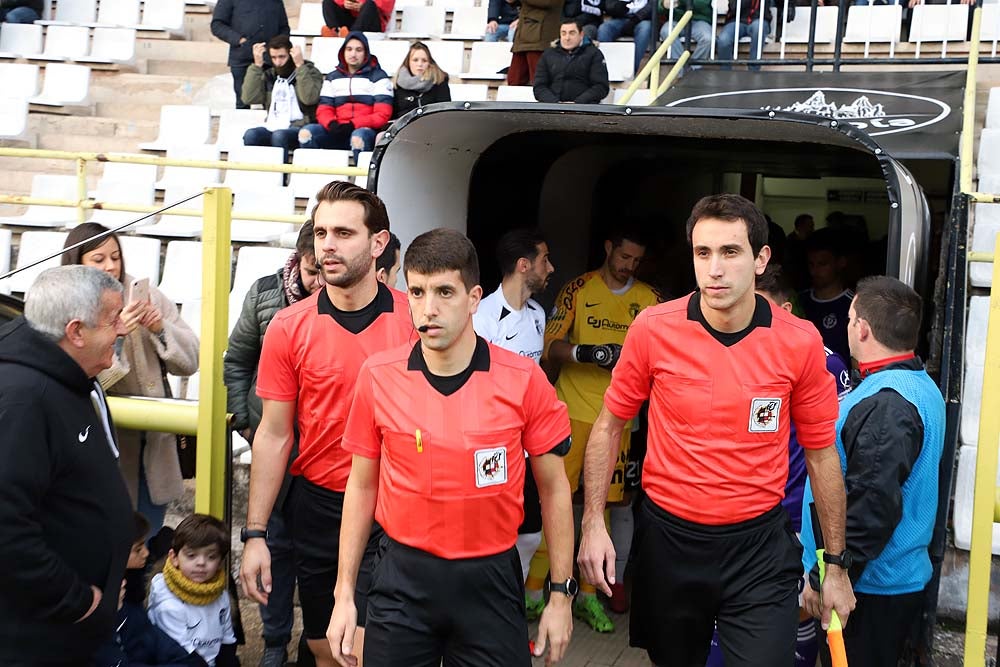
column 289, row 90
column 537, row 26
column 156, row 342
column 345, row 16
column 827, row 302
column 701, row 29
column 572, row 69
column 795, row 251
column 65, row 520
column 748, row 24
column 243, row 23
column 387, row 264
column 418, row 82
column 501, row 20
column 628, row 18
column 588, row 13
column 21, row 11
column 297, row 279
column 354, row 103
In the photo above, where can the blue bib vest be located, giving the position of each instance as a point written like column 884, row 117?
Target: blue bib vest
column 904, row 566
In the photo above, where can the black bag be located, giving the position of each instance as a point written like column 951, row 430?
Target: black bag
column 187, row 445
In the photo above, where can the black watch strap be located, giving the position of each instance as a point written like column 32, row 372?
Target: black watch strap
column 569, row 588
column 251, row 534
column 842, row 560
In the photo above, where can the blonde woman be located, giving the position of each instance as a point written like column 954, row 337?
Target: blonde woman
column 418, row 82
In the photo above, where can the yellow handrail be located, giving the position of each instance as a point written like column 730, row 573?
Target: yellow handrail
column 969, row 105
column 654, row 60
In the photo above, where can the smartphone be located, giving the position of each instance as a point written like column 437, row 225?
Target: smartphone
column 138, row 290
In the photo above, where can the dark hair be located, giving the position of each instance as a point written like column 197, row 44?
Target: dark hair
column 376, row 217
column 514, row 245
column 82, row 232
column 443, row 250
column 388, row 256
column 201, row 530
column 774, row 283
column 141, row 528
column 280, row 42
column 731, row 208
column 304, row 244
column 892, row 309
column 802, row 218
column 619, row 235
column 575, row 20
column 828, row 240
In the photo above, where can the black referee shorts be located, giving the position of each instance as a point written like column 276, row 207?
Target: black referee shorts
column 687, row 576
column 313, row 514
column 423, row 609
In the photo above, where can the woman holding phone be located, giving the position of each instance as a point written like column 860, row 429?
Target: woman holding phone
column 158, row 342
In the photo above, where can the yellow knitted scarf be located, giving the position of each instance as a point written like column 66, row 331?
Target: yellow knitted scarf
column 191, row 592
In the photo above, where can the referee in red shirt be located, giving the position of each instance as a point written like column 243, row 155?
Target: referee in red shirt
column 725, row 372
column 439, row 430
column 311, row 356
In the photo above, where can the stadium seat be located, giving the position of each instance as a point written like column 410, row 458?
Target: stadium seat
column 252, row 262
column 988, row 163
column 420, row 23
column 5, row 243
column 515, row 94
column 142, row 257
column 165, row 15
column 965, row 479
column 640, row 98
column 797, row 30
column 191, row 179
column 177, row 226
column 620, row 59
column 65, row 42
column 111, row 45
column 233, row 124
column 64, row 84
column 33, row 247
column 990, row 29
column 130, row 192
column 469, row 92
column 13, row 116
column 74, row 12
column 467, row 23
column 324, row 53
column 310, row 19
column 182, row 271
column 450, row 56
column 19, row 80
column 262, row 201
column 364, row 162
column 874, row 23
column 992, row 108
column 307, row 185
column 140, row 174
column 487, row 60
column 22, row 40
column 181, row 125
column 390, row 53
column 118, row 13
column 938, row 23
column 48, row 186
column 402, row 4
column 250, row 180
column 452, row 5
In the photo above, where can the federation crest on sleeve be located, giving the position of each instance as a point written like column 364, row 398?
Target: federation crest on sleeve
column 491, row 466
column 765, row 414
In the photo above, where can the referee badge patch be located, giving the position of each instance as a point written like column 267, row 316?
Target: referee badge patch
column 764, row 415
column 491, row 466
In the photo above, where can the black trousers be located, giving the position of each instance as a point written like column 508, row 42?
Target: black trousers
column 423, row 610
column 877, row 629
column 688, row 577
column 239, row 73
column 367, row 19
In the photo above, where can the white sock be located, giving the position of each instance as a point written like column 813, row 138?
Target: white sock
column 527, row 544
column 622, row 528
column 534, row 595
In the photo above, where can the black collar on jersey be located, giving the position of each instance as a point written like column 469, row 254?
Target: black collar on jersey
column 504, row 312
column 448, row 385
column 761, row 318
column 357, row 321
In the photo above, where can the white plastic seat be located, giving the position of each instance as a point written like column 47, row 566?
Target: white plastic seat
column 402, row 4
column 421, row 22
column 19, row 80
column 307, row 185
column 5, row 243
column 469, row 92
column 118, row 13
column 123, row 192
column 620, row 59
column 797, row 30
column 965, row 479
column 64, row 84
column 20, row 40
column 181, row 125
column 262, row 201
column 33, row 247
column 111, row 45
column 984, row 237
column 177, row 226
column 310, row 19
column 487, row 59
column 252, row 263
column 74, row 12
column 454, row 5
column 142, row 257
column 640, row 97
column 992, row 109
column 191, row 179
column 390, row 53
column 324, row 53
column 938, row 23
column 873, row 23
column 182, row 271
column 364, row 162
column 233, row 124
column 450, row 56
column 990, row 30
column 988, row 163
column 167, row 15
column 250, row 180
column 48, row 186
column 468, row 23
column 13, row 116
column 66, row 42
column 116, row 172
column 515, row 94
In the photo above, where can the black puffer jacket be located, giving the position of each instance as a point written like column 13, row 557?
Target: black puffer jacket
column 405, row 101
column 580, row 75
column 257, row 20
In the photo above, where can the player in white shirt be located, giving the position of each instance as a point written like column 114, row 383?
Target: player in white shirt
column 511, row 319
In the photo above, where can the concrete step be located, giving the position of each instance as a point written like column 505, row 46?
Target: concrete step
column 185, row 67
column 205, row 51
column 137, row 130
column 139, row 111
column 159, row 89
column 77, row 143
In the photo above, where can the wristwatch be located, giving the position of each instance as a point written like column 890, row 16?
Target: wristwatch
column 569, row 588
column 844, row 559
column 251, row 534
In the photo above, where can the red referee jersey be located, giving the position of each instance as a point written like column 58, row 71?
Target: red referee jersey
column 310, row 358
column 720, row 406
column 451, row 479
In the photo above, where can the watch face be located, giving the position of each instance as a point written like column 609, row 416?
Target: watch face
column 572, row 587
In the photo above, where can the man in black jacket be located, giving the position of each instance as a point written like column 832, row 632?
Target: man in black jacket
column 243, row 23
column 20, row 11
column 66, row 519
column 572, row 69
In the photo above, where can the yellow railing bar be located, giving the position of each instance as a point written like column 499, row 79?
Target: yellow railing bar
column 982, row 197
column 166, row 415
column 136, row 208
column 81, row 187
column 969, row 105
column 210, row 485
column 672, row 75
column 980, row 257
column 654, row 60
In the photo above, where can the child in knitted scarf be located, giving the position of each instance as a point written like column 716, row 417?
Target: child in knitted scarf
column 188, row 601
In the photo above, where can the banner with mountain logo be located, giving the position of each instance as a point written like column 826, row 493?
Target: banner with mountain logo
column 910, row 114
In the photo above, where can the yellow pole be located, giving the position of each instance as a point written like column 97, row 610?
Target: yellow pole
column 166, row 415
column 654, row 59
column 654, row 78
column 81, row 189
column 210, row 488
column 981, row 549
column 672, row 75
column 969, row 105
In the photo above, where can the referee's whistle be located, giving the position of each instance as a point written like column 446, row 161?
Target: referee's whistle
column 420, row 442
